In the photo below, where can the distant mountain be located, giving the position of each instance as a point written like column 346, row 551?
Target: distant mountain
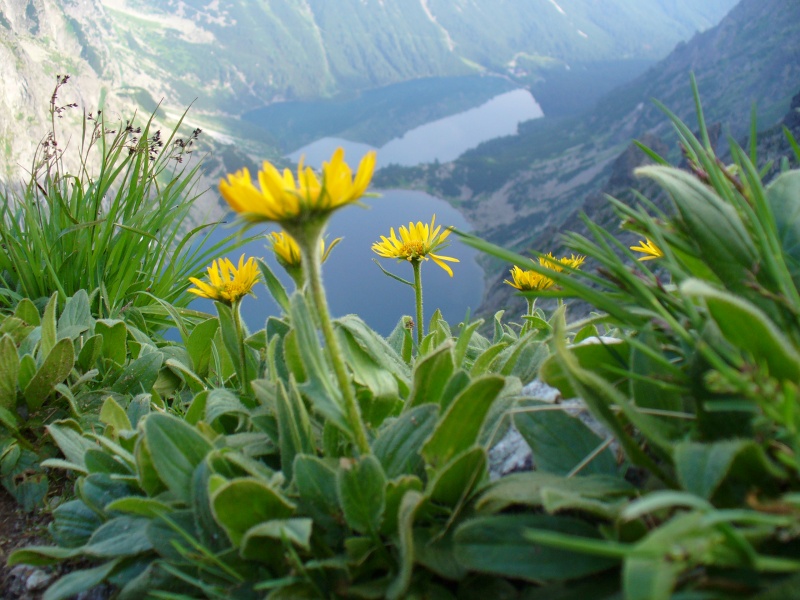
column 521, row 190
column 227, row 57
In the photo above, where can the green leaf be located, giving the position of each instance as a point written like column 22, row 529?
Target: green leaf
column 599, row 396
column 316, row 486
column 601, row 356
column 652, row 567
column 395, row 491
column 367, row 368
column 99, row 489
column 77, row 316
column 114, row 415
column 485, row 361
column 587, row 331
column 263, row 537
column 140, row 375
column 401, row 339
column 361, row 489
column 9, row 372
column 175, row 449
column 189, row 377
column 55, row 369
column 197, row 409
column 274, row 286
column 138, row 407
column 561, row 442
column 241, row 504
column 121, row 536
column 398, row 443
column 69, row 438
column 497, row 545
column 79, row 581
column 702, row 468
column 745, row 326
column 27, row 369
column 531, row 488
column 73, row 524
column 437, row 553
column 139, row 506
column 49, row 325
column 294, row 427
column 405, row 528
column 714, row 225
column 454, row 483
column 377, row 349
column 26, row 311
column 430, row 376
column 41, row 555
column 115, row 335
column 230, row 336
column 320, row 387
column 221, row 402
column 199, row 345
column 783, row 196
column 460, row 425
column 90, row 351
column 207, row 529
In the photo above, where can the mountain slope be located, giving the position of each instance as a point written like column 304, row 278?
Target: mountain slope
column 229, row 57
column 519, row 190
column 514, row 188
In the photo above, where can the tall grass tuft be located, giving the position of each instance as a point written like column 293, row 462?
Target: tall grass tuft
column 115, row 226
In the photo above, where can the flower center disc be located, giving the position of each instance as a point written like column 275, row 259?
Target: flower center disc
column 413, row 249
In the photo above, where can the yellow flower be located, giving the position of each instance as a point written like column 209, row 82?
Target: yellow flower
column 227, row 283
column 649, row 249
column 528, row 280
column 282, row 198
column 417, row 243
column 558, row 264
column 533, row 281
column 288, row 252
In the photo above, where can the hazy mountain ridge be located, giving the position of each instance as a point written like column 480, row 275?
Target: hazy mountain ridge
column 227, row 57
column 550, row 173
column 547, row 170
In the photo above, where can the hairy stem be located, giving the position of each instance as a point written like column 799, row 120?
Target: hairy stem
column 308, row 241
column 417, row 264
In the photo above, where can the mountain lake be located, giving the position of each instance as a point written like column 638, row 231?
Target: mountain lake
column 354, row 284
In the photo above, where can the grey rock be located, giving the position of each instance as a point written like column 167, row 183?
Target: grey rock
column 512, row 453
column 38, row 580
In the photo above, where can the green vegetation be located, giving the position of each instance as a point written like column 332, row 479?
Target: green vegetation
column 268, row 465
column 116, row 228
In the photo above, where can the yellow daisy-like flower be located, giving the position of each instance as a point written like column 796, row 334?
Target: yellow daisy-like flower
column 532, row 281
column 558, row 264
column 528, row 280
column 282, row 198
column 417, row 242
column 649, row 249
column 288, row 252
column 286, row 249
column 227, row 283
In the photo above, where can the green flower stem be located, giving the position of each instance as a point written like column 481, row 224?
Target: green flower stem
column 531, row 305
column 237, row 323
column 417, row 264
column 308, row 242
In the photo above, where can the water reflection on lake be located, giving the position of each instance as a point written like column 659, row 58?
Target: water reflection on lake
column 443, row 140
column 355, row 284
